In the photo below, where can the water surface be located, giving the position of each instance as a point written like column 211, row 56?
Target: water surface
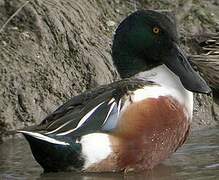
column 198, row 159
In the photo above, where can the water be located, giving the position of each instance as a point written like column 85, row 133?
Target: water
column 198, row 159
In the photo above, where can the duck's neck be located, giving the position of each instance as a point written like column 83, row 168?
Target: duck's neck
column 167, row 79
column 163, row 76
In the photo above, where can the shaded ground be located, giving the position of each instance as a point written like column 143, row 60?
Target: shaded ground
column 52, row 50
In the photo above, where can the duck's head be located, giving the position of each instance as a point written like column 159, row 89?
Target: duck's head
column 147, row 39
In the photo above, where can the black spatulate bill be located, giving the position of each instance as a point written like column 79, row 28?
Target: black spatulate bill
column 179, row 64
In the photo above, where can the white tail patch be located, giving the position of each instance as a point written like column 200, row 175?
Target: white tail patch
column 44, row 138
column 95, row 148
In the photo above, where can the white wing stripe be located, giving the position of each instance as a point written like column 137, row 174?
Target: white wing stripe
column 50, row 132
column 44, row 138
column 81, row 121
column 119, row 107
column 110, row 110
column 112, row 100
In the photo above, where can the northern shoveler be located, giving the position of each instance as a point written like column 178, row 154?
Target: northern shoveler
column 132, row 124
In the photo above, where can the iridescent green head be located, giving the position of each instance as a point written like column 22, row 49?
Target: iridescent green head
column 147, row 39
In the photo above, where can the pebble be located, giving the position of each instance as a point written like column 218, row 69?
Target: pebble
column 110, row 23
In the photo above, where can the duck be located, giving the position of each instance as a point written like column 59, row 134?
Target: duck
column 132, row 124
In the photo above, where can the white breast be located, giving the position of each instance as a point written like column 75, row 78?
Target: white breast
column 170, row 85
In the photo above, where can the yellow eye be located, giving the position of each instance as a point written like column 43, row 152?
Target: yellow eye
column 156, row 30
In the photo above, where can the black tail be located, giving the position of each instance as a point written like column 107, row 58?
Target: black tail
column 54, row 155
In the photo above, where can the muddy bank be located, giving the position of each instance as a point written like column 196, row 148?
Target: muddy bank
column 52, row 50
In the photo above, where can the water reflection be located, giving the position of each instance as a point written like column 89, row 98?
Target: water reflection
column 196, row 160
column 161, row 172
